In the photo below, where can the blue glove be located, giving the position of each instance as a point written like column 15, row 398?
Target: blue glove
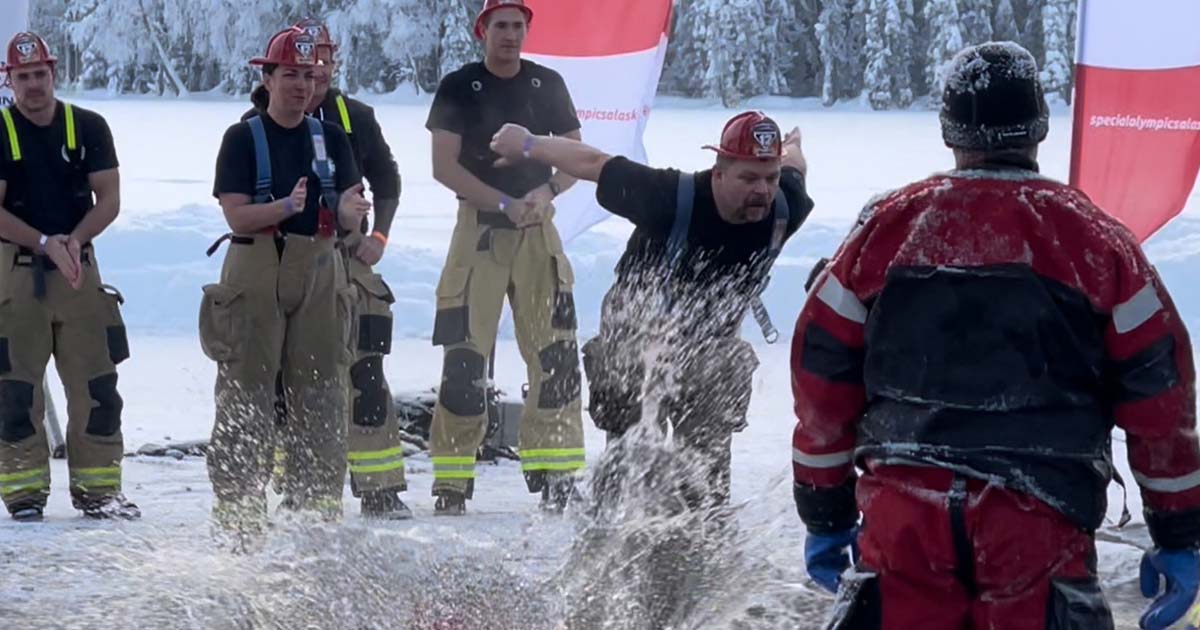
column 1181, row 568
column 827, row 556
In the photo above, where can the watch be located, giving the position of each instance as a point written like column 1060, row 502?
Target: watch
column 555, row 189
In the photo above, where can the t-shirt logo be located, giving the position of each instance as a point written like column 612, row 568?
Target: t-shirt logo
column 765, row 136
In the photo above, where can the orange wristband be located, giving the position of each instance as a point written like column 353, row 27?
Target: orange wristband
column 377, row 235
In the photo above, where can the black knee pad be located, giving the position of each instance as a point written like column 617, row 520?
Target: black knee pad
column 16, row 405
column 105, row 419
column 462, row 391
column 371, row 404
column 561, row 361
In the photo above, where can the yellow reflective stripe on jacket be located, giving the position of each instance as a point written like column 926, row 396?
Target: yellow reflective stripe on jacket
column 344, row 113
column 555, row 459
column 453, row 467
column 14, row 145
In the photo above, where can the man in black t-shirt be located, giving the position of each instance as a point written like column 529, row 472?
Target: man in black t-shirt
column 59, row 189
column 374, row 450
column 280, row 318
column 702, row 249
column 504, row 244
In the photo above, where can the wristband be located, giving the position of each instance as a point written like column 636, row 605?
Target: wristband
column 527, row 146
column 42, row 243
column 505, row 202
column 379, row 236
column 289, row 208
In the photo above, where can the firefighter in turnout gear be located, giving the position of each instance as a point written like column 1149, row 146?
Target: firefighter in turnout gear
column 59, row 189
column 504, row 243
column 374, row 452
column 701, row 252
column 281, row 315
column 669, row 340
column 958, row 369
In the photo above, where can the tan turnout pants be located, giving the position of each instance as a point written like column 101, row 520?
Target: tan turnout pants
column 281, row 311
column 83, row 330
column 374, row 451
column 490, row 259
column 701, row 385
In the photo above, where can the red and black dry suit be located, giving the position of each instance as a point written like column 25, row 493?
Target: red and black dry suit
column 970, row 348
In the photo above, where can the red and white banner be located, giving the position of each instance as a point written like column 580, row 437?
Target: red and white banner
column 14, row 18
column 1136, row 147
column 610, row 52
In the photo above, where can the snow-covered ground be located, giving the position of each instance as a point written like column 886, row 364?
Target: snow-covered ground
column 162, row 573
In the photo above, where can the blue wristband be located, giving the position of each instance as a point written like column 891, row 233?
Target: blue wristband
column 527, row 146
column 505, row 202
column 289, row 208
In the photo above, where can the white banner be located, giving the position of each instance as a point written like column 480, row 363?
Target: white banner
column 610, row 53
column 14, row 18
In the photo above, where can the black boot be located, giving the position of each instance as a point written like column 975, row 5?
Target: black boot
column 558, row 491
column 450, row 504
column 27, row 512
column 110, row 506
column 384, row 505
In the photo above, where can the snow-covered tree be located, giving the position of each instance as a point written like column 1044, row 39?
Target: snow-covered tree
column 887, row 79
column 779, row 48
column 1057, row 19
column 1004, row 22
column 799, row 39
column 1032, row 33
column 456, row 45
column 738, row 46
column 976, row 20
column 888, row 51
column 946, row 40
column 841, row 74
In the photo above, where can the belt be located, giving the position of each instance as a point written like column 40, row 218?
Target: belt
column 41, row 263
column 497, row 220
column 237, row 239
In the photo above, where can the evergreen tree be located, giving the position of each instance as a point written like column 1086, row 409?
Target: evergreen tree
column 1057, row 19
column 976, row 21
column 457, row 45
column 832, row 29
column 887, row 78
column 1032, row 34
column 889, row 52
column 1004, row 23
column 946, row 40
